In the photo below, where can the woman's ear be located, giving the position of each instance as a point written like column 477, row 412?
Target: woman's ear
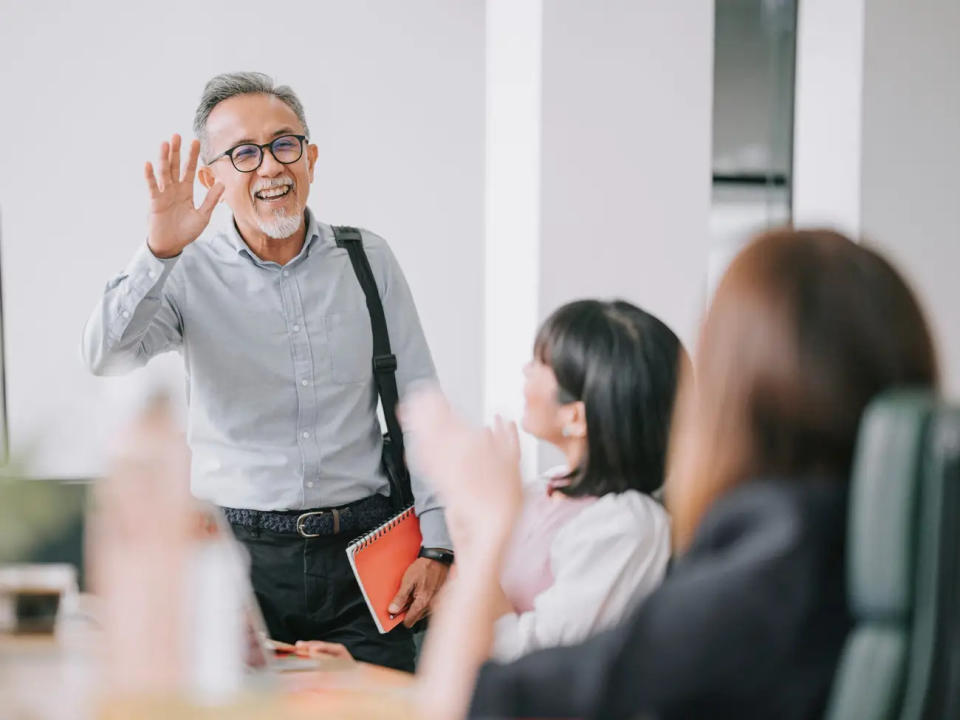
column 575, row 420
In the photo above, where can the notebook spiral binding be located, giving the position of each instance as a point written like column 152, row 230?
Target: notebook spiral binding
column 378, row 532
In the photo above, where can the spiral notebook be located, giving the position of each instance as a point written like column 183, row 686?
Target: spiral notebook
column 380, row 558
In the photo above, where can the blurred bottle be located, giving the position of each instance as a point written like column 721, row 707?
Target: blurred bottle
column 215, row 625
column 138, row 539
column 170, row 579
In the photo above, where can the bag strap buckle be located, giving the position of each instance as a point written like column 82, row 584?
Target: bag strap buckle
column 385, row 363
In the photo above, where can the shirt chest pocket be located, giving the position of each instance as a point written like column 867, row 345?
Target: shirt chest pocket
column 351, row 347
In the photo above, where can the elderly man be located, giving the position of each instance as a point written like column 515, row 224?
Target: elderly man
column 273, row 327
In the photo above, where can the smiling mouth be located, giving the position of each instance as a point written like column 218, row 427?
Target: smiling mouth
column 273, row 194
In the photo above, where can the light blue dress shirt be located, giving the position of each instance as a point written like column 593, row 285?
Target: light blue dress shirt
column 280, row 389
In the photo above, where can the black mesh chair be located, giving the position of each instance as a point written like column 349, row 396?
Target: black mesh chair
column 902, row 658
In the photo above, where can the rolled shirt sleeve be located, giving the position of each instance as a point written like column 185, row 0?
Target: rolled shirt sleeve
column 136, row 318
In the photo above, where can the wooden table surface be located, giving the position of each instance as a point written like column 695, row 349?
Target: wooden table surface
column 47, row 676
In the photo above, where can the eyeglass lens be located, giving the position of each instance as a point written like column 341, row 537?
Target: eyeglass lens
column 286, row 149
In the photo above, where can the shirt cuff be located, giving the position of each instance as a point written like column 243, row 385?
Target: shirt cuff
column 433, row 529
column 145, row 270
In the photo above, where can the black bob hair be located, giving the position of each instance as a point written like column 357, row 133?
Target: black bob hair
column 623, row 363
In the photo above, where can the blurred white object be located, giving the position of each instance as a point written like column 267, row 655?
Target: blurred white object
column 215, row 640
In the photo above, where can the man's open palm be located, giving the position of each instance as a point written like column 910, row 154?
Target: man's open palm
column 174, row 221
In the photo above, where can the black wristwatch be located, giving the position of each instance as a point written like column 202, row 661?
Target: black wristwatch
column 438, row 554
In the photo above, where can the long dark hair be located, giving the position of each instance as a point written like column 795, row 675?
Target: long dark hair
column 805, row 328
column 622, row 363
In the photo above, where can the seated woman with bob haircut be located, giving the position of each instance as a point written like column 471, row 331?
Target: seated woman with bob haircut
column 805, row 329
column 590, row 542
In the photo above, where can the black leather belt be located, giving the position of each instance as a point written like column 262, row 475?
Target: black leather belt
column 356, row 517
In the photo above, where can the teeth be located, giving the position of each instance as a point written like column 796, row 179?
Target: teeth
column 273, row 192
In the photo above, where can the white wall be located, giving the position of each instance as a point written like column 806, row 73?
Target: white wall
column 627, row 92
column 910, row 168
column 512, row 194
column 625, row 188
column 878, row 141
column 598, row 185
column 827, row 131
column 394, row 94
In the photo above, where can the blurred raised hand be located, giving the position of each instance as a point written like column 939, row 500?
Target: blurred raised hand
column 476, row 471
column 477, row 475
column 174, row 221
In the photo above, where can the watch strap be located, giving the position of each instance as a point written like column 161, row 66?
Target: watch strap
column 438, row 554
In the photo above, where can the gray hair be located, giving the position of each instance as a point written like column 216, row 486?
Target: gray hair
column 227, row 85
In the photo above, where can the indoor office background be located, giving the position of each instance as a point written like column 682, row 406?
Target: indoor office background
column 515, row 153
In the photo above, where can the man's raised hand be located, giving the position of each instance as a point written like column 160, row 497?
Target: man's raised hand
column 174, row 221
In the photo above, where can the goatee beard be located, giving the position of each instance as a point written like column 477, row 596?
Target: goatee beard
column 280, row 227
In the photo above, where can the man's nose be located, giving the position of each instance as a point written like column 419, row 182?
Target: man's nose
column 270, row 167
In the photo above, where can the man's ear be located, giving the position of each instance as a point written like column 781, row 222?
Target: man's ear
column 312, row 154
column 205, row 174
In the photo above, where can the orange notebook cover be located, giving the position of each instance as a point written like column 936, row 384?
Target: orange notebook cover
column 380, row 558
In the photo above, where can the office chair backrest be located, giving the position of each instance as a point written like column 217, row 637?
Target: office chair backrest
column 933, row 688
column 902, row 546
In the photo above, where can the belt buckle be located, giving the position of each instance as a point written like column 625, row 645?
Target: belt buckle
column 300, row 520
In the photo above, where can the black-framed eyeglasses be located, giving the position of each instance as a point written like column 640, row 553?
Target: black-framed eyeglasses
column 247, row 157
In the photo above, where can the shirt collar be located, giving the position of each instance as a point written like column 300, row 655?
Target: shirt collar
column 317, row 234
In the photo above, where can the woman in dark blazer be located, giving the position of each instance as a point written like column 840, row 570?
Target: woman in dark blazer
column 805, row 329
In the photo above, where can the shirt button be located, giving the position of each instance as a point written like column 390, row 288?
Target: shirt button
column 304, row 382
column 306, row 436
column 125, row 314
column 286, row 273
column 296, row 328
column 150, row 274
column 309, row 483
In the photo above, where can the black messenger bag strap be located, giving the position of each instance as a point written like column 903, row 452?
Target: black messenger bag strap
column 384, row 366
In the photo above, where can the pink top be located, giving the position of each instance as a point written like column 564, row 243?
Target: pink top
column 575, row 566
column 526, row 569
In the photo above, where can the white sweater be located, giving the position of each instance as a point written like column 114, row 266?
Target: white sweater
column 604, row 560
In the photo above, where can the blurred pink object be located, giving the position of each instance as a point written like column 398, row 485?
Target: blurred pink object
column 138, row 540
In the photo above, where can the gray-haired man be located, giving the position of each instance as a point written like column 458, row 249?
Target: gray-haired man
column 273, row 328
